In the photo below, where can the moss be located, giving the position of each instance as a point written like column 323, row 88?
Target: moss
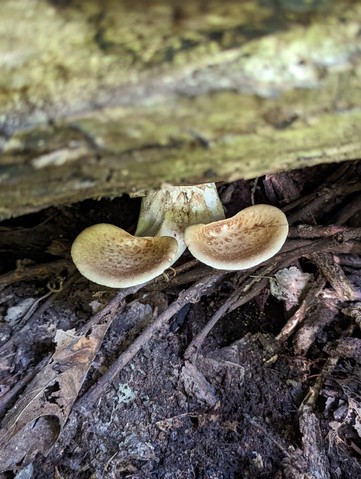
column 108, row 99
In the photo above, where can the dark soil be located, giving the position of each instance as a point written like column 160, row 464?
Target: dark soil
column 273, row 390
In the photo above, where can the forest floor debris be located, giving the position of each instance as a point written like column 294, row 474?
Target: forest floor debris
column 200, row 373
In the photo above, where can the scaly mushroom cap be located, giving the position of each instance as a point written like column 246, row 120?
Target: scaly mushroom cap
column 110, row 256
column 252, row 236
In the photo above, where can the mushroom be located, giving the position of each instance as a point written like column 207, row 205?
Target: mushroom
column 110, row 256
column 252, row 236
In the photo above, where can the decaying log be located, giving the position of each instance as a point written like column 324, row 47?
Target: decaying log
column 104, row 97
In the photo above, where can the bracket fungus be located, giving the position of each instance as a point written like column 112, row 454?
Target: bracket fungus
column 170, row 220
column 252, row 236
column 110, row 256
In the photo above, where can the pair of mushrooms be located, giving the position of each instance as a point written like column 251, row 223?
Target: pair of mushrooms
column 170, row 220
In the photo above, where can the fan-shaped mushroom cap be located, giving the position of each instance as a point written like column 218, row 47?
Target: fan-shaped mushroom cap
column 110, row 256
column 252, row 236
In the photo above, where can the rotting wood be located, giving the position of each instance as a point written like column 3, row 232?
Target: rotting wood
column 94, row 105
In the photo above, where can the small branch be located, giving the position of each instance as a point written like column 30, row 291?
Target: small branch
column 296, row 319
column 191, row 295
column 234, row 301
column 259, row 279
column 109, row 310
column 316, row 232
column 182, row 276
column 316, row 202
column 10, row 395
column 18, row 336
column 36, row 271
column 334, row 274
column 267, row 434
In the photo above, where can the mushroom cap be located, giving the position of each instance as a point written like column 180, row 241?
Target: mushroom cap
column 112, row 257
column 252, row 236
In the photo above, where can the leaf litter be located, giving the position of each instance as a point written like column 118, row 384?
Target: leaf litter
column 200, row 373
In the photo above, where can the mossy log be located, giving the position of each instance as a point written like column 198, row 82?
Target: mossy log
column 103, row 97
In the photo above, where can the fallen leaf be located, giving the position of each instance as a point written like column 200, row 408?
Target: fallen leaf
column 289, row 284
column 35, row 422
column 197, row 385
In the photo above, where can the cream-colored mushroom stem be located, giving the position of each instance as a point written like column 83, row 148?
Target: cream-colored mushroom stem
column 249, row 238
column 110, row 256
column 169, row 211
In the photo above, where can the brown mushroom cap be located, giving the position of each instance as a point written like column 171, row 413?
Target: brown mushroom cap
column 110, row 256
column 252, row 236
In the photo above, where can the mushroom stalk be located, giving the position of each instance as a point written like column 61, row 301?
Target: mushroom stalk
column 169, row 211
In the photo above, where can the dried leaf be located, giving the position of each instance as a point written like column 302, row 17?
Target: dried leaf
column 34, row 423
column 196, row 384
column 289, row 284
column 14, row 313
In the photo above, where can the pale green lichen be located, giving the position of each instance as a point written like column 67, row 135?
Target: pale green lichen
column 141, row 118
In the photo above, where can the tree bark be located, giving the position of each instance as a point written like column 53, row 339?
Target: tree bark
column 105, row 97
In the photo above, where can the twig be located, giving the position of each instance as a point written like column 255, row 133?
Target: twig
column 331, row 179
column 227, row 306
column 252, row 286
column 21, row 323
column 10, row 395
column 334, row 275
column 336, row 244
column 19, row 334
column 186, row 266
column 315, row 202
column 191, row 295
column 296, row 319
column 259, row 279
column 348, row 211
column 268, row 435
column 109, row 310
column 316, row 232
column 35, row 271
column 180, row 279
column 52, row 289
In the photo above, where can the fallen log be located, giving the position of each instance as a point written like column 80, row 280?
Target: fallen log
column 109, row 97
